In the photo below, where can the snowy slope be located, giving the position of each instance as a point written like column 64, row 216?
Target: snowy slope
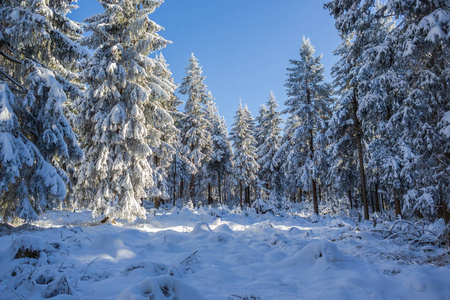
column 216, row 254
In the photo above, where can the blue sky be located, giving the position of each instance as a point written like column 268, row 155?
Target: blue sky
column 244, row 46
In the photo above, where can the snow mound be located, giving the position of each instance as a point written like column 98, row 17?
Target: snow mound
column 160, row 288
column 201, row 228
column 223, row 228
column 320, row 251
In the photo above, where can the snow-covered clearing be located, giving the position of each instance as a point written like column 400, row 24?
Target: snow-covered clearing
column 216, row 254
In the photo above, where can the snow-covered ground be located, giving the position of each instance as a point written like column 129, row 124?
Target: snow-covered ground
column 217, row 254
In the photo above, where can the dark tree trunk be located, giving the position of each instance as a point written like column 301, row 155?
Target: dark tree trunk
column 446, row 213
column 240, row 193
column 300, row 196
column 398, row 211
column 192, row 188
column 377, row 200
column 219, row 187
column 210, row 201
column 174, row 182
column 181, row 188
column 350, row 198
column 315, row 202
column 247, row 195
column 372, row 202
column 320, row 194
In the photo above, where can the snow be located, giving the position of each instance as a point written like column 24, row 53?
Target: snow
column 217, row 254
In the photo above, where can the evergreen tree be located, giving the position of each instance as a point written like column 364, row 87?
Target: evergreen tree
column 309, row 100
column 269, row 133
column 196, row 138
column 354, row 22
column 245, row 166
column 123, row 114
column 167, row 132
column 38, row 56
column 219, row 165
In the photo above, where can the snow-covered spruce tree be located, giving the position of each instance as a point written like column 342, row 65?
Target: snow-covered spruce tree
column 167, row 132
column 245, row 169
column 420, row 45
column 123, row 113
column 196, row 137
column 382, row 91
column 269, row 134
column 219, row 166
column 309, row 100
column 38, row 55
column 354, row 20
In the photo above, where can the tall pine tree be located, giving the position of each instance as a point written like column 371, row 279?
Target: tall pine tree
column 123, row 113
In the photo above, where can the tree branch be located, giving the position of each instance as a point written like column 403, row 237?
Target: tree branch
column 10, row 58
column 12, row 80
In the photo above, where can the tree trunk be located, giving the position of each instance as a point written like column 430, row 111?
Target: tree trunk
column 300, row 195
column 174, row 182
column 350, row 199
column 372, row 202
column 398, row 211
column 315, row 202
column 320, row 194
column 210, row 202
column 240, row 193
column 181, row 188
column 247, row 195
column 377, row 200
column 192, row 188
column 219, row 187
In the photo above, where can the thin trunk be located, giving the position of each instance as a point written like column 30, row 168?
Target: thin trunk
column 350, row 199
column 397, row 205
column 181, row 188
column 192, row 187
column 320, row 194
column 315, row 203
column 372, row 202
column 377, row 200
column 362, row 173
column 300, row 195
column 174, row 182
column 210, row 202
column 240, row 193
column 219, row 187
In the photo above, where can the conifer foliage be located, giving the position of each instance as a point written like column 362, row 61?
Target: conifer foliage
column 123, row 114
column 308, row 106
column 38, row 55
column 245, row 172
column 196, row 138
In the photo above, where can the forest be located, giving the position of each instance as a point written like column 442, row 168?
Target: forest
column 91, row 124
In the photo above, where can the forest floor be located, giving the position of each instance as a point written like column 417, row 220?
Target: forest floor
column 221, row 254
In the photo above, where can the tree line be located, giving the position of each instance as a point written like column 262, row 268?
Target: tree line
column 104, row 131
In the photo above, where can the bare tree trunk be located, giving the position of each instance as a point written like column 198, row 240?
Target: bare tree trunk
column 219, row 187
column 398, row 211
column 192, row 188
column 240, row 193
column 320, row 194
column 174, row 182
column 210, row 202
column 372, row 202
column 181, row 188
column 446, row 213
column 350, row 198
column 377, row 200
column 315, row 203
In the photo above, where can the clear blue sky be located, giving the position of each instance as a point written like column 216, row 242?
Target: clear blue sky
column 244, row 46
